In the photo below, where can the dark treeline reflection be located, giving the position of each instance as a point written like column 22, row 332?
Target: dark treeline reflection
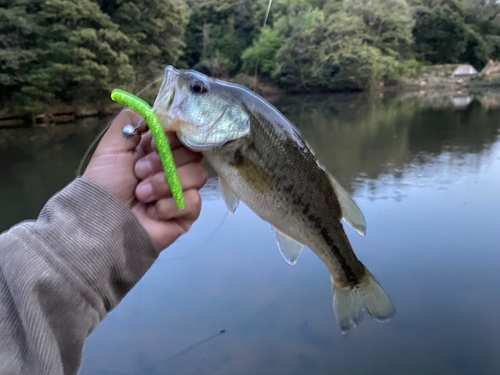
column 357, row 137
column 362, row 137
column 37, row 162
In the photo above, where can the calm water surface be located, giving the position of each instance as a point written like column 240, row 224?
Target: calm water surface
column 428, row 182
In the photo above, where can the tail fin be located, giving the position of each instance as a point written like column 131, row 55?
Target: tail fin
column 349, row 302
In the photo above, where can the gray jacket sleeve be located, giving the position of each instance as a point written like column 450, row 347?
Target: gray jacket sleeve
column 61, row 275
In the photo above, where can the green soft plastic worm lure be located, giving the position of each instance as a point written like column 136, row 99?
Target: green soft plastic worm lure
column 160, row 138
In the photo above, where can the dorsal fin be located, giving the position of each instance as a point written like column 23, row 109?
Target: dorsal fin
column 350, row 210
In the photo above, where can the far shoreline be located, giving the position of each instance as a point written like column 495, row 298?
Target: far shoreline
column 431, row 79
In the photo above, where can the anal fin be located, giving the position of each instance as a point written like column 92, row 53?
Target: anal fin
column 289, row 248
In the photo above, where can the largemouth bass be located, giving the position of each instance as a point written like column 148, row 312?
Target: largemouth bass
column 262, row 160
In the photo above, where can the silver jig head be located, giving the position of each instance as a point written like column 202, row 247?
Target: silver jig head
column 129, row 130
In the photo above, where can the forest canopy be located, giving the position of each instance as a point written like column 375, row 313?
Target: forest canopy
column 74, row 51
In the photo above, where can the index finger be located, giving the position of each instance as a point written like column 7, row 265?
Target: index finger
column 147, row 144
column 113, row 138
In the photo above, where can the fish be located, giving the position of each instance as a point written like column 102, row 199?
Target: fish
column 262, row 160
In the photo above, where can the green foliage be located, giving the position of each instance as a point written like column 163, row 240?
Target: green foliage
column 296, row 56
column 411, row 67
column 477, row 51
column 363, row 67
column 483, row 17
column 217, row 66
column 19, row 25
column 217, row 34
column 66, row 51
column 84, row 49
column 70, row 51
column 155, row 31
column 452, row 31
column 327, row 52
column 262, row 53
column 440, row 32
column 389, row 23
column 493, row 42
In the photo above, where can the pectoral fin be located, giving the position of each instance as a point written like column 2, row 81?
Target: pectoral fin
column 228, row 195
column 211, row 191
column 256, row 177
column 350, row 211
column 289, row 248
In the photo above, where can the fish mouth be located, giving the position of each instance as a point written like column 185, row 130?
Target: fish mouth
column 166, row 95
column 171, row 75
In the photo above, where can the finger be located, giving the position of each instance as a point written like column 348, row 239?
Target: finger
column 192, row 176
column 115, row 140
column 144, row 147
column 147, row 144
column 151, row 163
column 166, row 208
column 163, row 233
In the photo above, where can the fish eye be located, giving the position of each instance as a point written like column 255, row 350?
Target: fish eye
column 198, row 87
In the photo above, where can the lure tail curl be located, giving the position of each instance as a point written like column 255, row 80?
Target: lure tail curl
column 160, row 138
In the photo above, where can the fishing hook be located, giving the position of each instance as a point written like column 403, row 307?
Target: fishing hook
column 129, row 130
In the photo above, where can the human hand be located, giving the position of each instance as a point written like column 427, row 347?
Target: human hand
column 131, row 170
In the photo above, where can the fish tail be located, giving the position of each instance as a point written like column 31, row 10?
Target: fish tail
column 350, row 301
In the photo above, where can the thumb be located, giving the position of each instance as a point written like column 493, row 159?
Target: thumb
column 112, row 165
column 114, row 141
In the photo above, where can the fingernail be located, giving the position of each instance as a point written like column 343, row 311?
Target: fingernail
column 143, row 168
column 144, row 191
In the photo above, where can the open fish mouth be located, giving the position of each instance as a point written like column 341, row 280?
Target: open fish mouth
column 166, row 94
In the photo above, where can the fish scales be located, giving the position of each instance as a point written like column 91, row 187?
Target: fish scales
column 308, row 211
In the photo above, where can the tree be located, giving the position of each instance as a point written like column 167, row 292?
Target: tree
column 389, row 23
column 440, row 32
column 483, row 16
column 217, row 34
column 296, row 55
column 329, row 52
column 84, row 55
column 262, row 54
column 155, row 31
column 19, row 26
column 477, row 51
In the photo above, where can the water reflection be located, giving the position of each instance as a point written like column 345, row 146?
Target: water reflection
column 368, row 142
column 427, row 180
column 36, row 162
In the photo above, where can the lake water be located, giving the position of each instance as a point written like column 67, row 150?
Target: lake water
column 425, row 174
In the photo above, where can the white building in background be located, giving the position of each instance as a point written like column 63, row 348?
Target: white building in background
column 461, row 101
column 465, row 71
